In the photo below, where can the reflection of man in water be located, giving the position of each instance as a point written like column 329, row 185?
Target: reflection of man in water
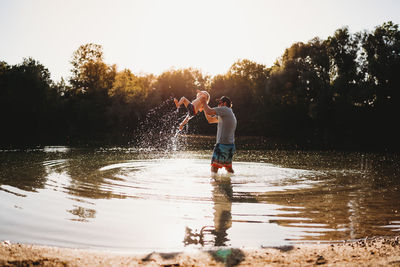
column 222, row 197
column 216, row 235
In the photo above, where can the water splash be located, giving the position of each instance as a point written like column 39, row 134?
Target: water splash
column 174, row 141
column 159, row 130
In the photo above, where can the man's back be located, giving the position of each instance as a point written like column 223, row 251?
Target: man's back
column 226, row 125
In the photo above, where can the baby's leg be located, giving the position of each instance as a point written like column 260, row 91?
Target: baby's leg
column 184, row 122
column 183, row 100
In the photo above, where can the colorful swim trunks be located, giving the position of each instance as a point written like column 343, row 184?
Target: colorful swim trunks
column 222, row 155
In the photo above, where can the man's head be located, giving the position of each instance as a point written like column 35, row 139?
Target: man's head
column 225, row 101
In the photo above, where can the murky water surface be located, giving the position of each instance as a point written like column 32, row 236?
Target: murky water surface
column 127, row 199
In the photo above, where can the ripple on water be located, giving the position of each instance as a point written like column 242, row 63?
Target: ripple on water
column 188, row 179
column 108, row 200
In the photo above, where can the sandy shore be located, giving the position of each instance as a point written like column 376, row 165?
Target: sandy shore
column 368, row 252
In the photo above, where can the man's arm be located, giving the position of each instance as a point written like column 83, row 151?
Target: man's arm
column 207, row 109
column 211, row 119
column 208, row 112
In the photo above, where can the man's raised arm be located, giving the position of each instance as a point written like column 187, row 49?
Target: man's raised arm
column 211, row 119
column 209, row 111
column 206, row 107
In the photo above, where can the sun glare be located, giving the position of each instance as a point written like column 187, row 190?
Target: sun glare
column 183, row 34
column 154, row 35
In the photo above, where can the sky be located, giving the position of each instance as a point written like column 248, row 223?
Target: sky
column 152, row 36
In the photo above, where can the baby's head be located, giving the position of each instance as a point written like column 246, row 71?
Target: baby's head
column 204, row 94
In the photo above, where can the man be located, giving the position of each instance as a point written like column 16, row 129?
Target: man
column 225, row 146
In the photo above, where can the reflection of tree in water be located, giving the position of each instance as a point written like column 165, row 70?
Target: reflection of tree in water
column 75, row 173
column 28, row 171
column 32, row 170
column 87, row 181
column 83, row 213
column 23, row 170
column 355, row 202
column 345, row 204
column 86, row 178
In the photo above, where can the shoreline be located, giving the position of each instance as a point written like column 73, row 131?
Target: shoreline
column 377, row 251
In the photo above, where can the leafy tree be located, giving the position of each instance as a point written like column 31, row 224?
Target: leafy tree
column 84, row 55
column 129, row 88
column 338, row 92
column 128, row 95
column 27, row 102
column 298, row 92
column 244, row 83
column 90, row 75
column 383, row 56
column 249, row 77
column 178, row 83
column 382, row 49
column 90, row 82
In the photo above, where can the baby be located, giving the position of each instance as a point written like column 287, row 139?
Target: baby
column 193, row 107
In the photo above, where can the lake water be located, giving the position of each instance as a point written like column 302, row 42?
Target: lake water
column 128, row 199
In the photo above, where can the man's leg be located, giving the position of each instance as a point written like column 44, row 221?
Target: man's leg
column 215, row 158
column 214, row 169
column 229, row 169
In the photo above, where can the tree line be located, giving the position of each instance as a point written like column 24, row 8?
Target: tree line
column 341, row 92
